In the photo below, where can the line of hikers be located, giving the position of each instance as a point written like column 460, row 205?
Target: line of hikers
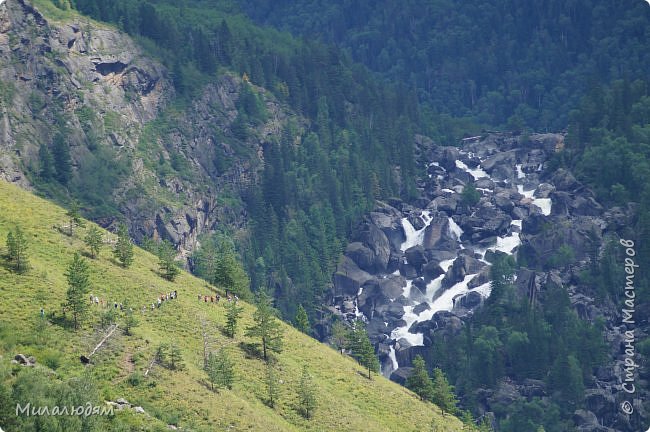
column 216, row 298
column 119, row 306
column 161, row 299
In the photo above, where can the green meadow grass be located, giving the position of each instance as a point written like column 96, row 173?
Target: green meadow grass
column 347, row 401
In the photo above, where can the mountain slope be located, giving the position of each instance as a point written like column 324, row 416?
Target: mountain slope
column 346, row 399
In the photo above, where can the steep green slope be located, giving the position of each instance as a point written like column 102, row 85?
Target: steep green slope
column 347, row 401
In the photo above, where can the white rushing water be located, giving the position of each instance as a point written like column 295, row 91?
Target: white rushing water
column 520, row 173
column 414, row 237
column 544, row 204
column 455, row 229
column 444, row 301
column 477, row 172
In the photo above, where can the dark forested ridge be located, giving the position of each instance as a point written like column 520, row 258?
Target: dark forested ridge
column 498, row 62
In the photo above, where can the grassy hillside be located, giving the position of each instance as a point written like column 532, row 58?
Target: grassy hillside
column 347, row 401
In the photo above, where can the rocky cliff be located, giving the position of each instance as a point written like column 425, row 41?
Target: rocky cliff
column 416, row 270
column 175, row 169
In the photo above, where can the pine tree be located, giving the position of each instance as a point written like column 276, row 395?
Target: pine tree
column 302, row 320
column 362, row 349
column 74, row 217
column 46, row 163
column 220, row 370
column 367, row 356
column 167, row 261
column 419, row 381
column 266, row 326
column 130, row 321
column 443, row 392
column 232, row 317
column 62, row 160
column 78, row 276
column 272, row 385
column 175, row 358
column 340, row 335
column 17, row 251
column 306, row 394
column 123, row 251
column 162, row 351
column 93, row 240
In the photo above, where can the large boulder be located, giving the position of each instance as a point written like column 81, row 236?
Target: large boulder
column 389, row 220
column 349, row 277
column 563, row 180
column 469, row 300
column 437, row 234
column 375, row 239
column 447, row 204
column 502, row 158
column 446, row 156
column 464, row 265
column 415, row 256
column 361, row 255
column 380, row 292
column 401, row 375
column 431, row 270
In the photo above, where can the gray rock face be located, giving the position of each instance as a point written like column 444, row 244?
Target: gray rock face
column 401, row 375
column 361, row 255
column 415, row 257
column 447, row 157
column 349, row 277
column 436, row 235
column 388, row 219
column 464, row 265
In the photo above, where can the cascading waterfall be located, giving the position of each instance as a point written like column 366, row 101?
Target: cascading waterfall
column 445, row 301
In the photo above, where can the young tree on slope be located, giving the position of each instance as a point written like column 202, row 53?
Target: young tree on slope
column 419, row 381
column 78, row 275
column 232, row 317
column 93, row 240
column 306, row 394
column 123, row 251
column 443, row 392
column 266, row 326
column 167, row 261
column 302, row 320
column 17, row 251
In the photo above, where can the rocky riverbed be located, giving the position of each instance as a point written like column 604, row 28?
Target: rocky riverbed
column 423, row 267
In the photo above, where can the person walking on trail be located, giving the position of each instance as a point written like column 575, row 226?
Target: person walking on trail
column 42, row 313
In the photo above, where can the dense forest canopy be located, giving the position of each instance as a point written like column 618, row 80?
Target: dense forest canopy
column 499, row 62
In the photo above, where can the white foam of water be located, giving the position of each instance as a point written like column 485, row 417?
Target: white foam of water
column 520, row 173
column 544, row 204
column 447, row 190
column 407, row 288
column 527, row 194
column 477, row 172
column 393, row 357
column 455, row 229
column 446, row 299
column 484, row 289
column 509, row 243
column 434, row 286
column 409, row 317
column 414, row 237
